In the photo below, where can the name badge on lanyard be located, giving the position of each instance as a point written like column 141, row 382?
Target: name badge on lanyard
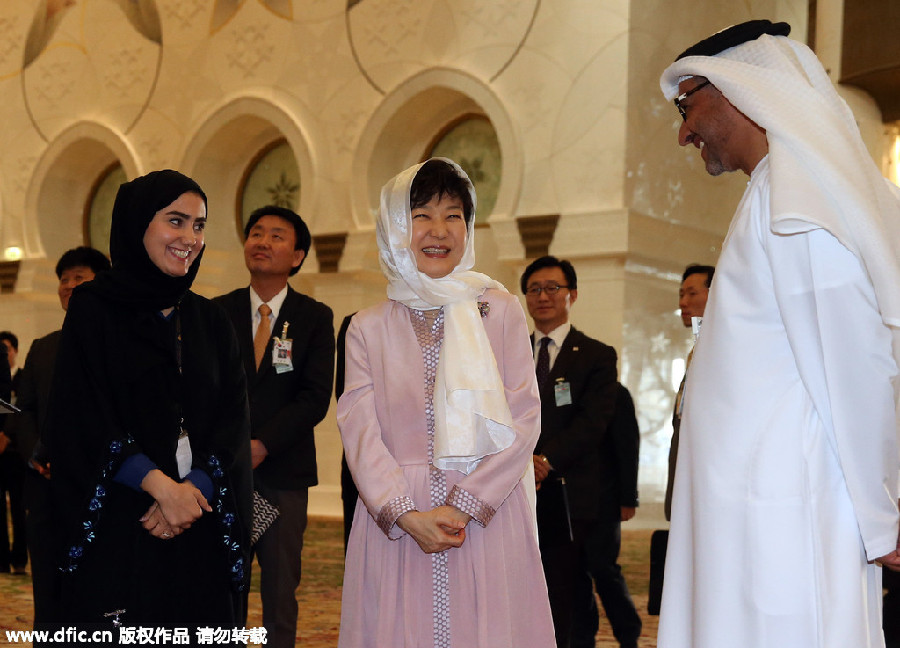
column 184, row 458
column 562, row 392
column 281, row 352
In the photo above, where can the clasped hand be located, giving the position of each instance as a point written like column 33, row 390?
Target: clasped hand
column 892, row 560
column 176, row 505
column 436, row 530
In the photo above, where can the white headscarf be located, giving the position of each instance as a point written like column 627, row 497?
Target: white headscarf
column 821, row 175
column 472, row 417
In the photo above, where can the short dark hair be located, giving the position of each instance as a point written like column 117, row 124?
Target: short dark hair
column 437, row 178
column 696, row 268
column 10, row 337
column 82, row 256
column 301, row 231
column 550, row 262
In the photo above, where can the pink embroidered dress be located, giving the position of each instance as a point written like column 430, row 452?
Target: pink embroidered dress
column 490, row 591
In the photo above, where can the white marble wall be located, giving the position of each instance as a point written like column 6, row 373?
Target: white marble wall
column 358, row 89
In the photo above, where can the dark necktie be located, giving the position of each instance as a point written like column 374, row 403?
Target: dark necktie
column 543, row 363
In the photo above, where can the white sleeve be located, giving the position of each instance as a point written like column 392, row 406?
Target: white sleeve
column 844, row 356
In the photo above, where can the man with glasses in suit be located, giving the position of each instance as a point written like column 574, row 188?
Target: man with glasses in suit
column 577, row 382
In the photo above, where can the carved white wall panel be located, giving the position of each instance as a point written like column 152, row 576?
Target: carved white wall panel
column 394, row 39
column 88, row 59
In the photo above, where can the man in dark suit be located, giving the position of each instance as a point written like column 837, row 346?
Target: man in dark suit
column 692, row 295
column 73, row 268
column 287, row 344
column 12, row 470
column 577, row 382
column 618, row 500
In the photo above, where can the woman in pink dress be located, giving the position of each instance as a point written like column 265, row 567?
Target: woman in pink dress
column 439, row 418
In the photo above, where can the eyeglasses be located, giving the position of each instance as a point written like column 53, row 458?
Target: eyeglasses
column 685, row 95
column 550, row 289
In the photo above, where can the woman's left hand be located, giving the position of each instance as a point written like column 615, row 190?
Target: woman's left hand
column 459, row 519
column 155, row 522
column 181, row 503
column 436, row 530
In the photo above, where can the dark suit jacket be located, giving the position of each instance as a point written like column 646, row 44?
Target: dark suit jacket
column 6, row 387
column 33, row 396
column 619, row 458
column 673, row 453
column 572, row 435
column 284, row 408
column 348, row 487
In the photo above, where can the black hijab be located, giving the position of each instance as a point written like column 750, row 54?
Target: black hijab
column 134, row 280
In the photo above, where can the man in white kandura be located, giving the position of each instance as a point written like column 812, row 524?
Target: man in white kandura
column 785, row 503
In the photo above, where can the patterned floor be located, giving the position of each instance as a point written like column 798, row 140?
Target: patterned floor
column 320, row 592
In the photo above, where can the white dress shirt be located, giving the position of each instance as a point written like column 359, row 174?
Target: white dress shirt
column 557, row 337
column 275, row 304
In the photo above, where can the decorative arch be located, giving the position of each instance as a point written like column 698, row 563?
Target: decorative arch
column 471, row 141
column 99, row 206
column 270, row 178
column 407, row 123
column 63, row 181
column 227, row 142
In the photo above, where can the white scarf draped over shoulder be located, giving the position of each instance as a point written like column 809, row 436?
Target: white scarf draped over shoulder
column 472, row 417
column 821, row 174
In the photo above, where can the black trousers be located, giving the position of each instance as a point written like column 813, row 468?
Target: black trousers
column 571, row 568
column 278, row 553
column 12, row 479
column 42, row 531
column 891, row 613
column 349, row 495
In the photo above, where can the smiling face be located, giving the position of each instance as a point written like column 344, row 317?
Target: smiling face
column 438, row 237
column 174, row 237
column 549, row 311
column 269, row 248
column 727, row 139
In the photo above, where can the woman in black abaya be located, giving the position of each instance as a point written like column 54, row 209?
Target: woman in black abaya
column 149, row 428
